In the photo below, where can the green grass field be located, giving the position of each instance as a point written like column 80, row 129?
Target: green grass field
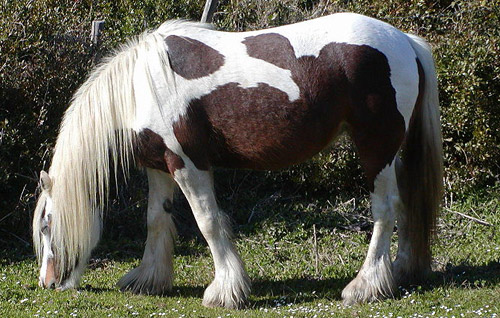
column 293, row 274
column 300, row 249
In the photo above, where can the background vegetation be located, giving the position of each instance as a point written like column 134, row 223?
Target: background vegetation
column 46, row 53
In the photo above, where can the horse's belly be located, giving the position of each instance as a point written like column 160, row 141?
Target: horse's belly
column 260, row 128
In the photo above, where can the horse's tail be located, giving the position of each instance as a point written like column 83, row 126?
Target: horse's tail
column 420, row 176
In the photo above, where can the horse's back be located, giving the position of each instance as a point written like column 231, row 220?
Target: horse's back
column 270, row 98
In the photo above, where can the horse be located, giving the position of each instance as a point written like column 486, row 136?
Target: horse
column 185, row 98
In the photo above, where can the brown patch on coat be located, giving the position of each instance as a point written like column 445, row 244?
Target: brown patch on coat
column 252, row 135
column 150, row 151
column 260, row 128
column 377, row 127
column 191, row 58
column 271, row 47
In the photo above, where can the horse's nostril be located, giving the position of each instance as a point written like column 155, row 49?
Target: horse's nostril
column 52, row 285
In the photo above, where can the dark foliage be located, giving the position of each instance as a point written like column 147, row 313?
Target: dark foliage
column 46, row 53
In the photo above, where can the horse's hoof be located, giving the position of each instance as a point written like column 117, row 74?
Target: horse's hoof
column 358, row 291
column 142, row 281
column 227, row 294
column 371, row 284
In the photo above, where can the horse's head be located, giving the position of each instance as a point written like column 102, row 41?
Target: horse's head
column 61, row 266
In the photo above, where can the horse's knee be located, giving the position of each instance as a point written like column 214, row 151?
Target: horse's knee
column 159, row 221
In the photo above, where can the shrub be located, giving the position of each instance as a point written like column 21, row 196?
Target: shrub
column 45, row 54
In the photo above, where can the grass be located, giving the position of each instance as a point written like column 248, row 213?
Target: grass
column 278, row 248
column 277, row 243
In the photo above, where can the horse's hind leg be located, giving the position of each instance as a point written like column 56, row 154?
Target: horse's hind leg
column 231, row 285
column 155, row 273
column 375, row 280
column 378, row 132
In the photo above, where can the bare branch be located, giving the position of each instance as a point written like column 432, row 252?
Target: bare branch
column 482, row 222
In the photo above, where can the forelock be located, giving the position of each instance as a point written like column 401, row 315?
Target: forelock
column 37, row 222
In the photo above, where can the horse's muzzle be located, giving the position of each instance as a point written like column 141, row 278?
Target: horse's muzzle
column 48, row 279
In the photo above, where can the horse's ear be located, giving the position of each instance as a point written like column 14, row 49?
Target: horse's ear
column 45, row 181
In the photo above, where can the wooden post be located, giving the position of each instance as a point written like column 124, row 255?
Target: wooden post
column 95, row 37
column 97, row 27
column 209, row 10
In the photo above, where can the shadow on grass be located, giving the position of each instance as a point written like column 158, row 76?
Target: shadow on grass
column 468, row 276
column 271, row 293
column 461, row 276
column 277, row 293
column 297, row 291
column 267, row 294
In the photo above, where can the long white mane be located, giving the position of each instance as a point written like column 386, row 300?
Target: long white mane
column 95, row 132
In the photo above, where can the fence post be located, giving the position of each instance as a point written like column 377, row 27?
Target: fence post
column 209, row 10
column 97, row 27
column 95, row 37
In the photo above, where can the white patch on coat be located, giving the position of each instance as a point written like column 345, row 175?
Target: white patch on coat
column 47, row 253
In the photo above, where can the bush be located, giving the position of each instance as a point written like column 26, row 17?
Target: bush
column 45, row 54
column 469, row 81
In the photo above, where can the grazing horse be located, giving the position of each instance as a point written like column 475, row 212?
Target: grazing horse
column 185, row 98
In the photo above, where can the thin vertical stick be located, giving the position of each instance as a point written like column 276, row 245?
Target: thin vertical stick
column 316, row 254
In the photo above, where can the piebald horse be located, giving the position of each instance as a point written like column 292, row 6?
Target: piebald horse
column 185, row 98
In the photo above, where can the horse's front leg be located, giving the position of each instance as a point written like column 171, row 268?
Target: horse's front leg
column 375, row 280
column 155, row 273
column 231, row 285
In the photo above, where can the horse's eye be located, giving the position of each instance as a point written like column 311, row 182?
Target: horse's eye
column 46, row 224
